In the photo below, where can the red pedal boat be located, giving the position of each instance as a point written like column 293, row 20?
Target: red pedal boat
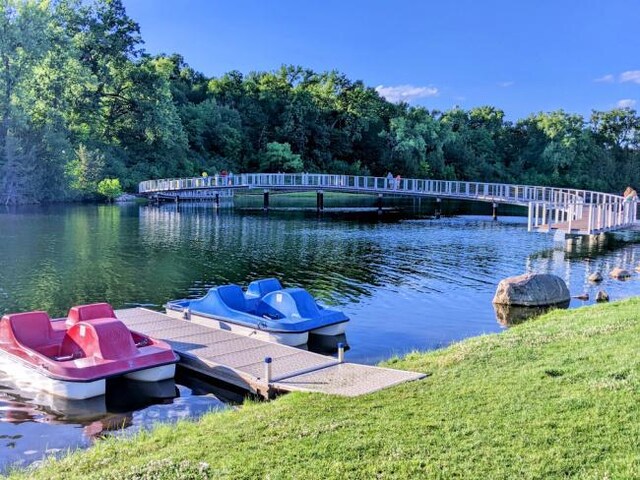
column 72, row 357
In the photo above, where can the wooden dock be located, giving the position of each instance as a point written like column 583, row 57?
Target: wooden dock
column 240, row 360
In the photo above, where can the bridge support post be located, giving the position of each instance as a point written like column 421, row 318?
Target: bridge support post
column 379, row 204
column 320, row 201
column 217, row 200
column 495, row 211
column 265, row 200
column 437, row 212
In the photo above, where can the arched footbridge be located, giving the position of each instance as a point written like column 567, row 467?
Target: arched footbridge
column 562, row 210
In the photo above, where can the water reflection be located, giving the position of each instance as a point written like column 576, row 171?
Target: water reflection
column 34, row 425
column 406, row 280
column 509, row 315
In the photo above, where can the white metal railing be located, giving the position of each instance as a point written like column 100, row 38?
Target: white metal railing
column 548, row 206
column 581, row 217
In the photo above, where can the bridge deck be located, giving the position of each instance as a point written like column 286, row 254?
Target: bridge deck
column 591, row 212
column 239, row 360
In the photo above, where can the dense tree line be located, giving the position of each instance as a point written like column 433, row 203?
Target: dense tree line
column 81, row 102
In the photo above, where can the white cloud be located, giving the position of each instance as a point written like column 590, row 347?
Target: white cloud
column 626, row 103
column 630, row 76
column 605, row 79
column 506, row 84
column 406, row 93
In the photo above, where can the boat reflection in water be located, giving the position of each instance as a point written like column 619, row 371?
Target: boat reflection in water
column 128, row 407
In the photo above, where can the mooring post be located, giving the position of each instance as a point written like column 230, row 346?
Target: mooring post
column 341, row 352
column 267, row 370
column 265, row 200
column 495, row 211
column 320, row 200
column 437, row 213
column 266, row 394
column 217, row 200
column 379, row 204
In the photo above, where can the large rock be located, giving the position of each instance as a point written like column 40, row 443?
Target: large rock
column 619, row 273
column 602, row 296
column 532, row 290
column 595, row 277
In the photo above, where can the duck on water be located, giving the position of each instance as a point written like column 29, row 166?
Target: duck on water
column 266, row 310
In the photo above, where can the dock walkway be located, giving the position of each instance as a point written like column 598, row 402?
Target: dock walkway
column 240, row 360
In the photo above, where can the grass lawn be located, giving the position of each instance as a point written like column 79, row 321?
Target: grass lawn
column 558, row 397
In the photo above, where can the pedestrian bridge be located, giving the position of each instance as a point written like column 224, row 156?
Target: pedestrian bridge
column 561, row 210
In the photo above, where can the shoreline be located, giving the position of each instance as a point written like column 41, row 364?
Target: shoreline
column 551, row 397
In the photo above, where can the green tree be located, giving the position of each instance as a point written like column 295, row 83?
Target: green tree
column 85, row 170
column 110, row 188
column 278, row 157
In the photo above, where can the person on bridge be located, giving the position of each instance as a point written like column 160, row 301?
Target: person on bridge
column 630, row 195
column 389, row 180
column 398, row 178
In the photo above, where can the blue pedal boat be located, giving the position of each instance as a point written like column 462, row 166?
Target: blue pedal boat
column 266, row 311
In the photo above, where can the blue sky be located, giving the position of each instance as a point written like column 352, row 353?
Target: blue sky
column 521, row 56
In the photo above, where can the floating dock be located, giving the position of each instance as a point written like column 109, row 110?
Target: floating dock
column 240, row 360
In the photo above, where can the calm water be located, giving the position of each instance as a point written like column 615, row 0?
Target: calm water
column 406, row 280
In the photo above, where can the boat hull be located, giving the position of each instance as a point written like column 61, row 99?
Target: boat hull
column 291, row 339
column 28, row 378
column 331, row 330
column 155, row 374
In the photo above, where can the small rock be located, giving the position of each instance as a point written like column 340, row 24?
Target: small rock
column 126, row 197
column 582, row 296
column 638, row 268
column 619, row 273
column 532, row 290
column 602, row 296
column 595, row 277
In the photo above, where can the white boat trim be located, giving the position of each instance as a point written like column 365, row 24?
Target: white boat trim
column 30, row 379
column 154, row 374
column 331, row 330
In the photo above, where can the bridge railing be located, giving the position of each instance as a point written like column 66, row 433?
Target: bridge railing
column 548, row 206
column 578, row 216
column 495, row 192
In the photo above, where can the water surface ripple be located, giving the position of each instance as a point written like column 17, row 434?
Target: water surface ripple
column 407, row 281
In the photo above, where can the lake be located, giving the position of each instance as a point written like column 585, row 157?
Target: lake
column 408, row 281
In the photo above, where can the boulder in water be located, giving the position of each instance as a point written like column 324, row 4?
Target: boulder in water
column 602, row 296
column 619, row 273
column 595, row 277
column 532, row 290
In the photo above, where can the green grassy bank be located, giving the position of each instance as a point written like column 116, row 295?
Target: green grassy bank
column 558, row 397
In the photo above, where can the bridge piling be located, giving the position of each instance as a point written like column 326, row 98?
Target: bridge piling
column 265, row 200
column 379, row 204
column 437, row 213
column 495, row 211
column 320, row 201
